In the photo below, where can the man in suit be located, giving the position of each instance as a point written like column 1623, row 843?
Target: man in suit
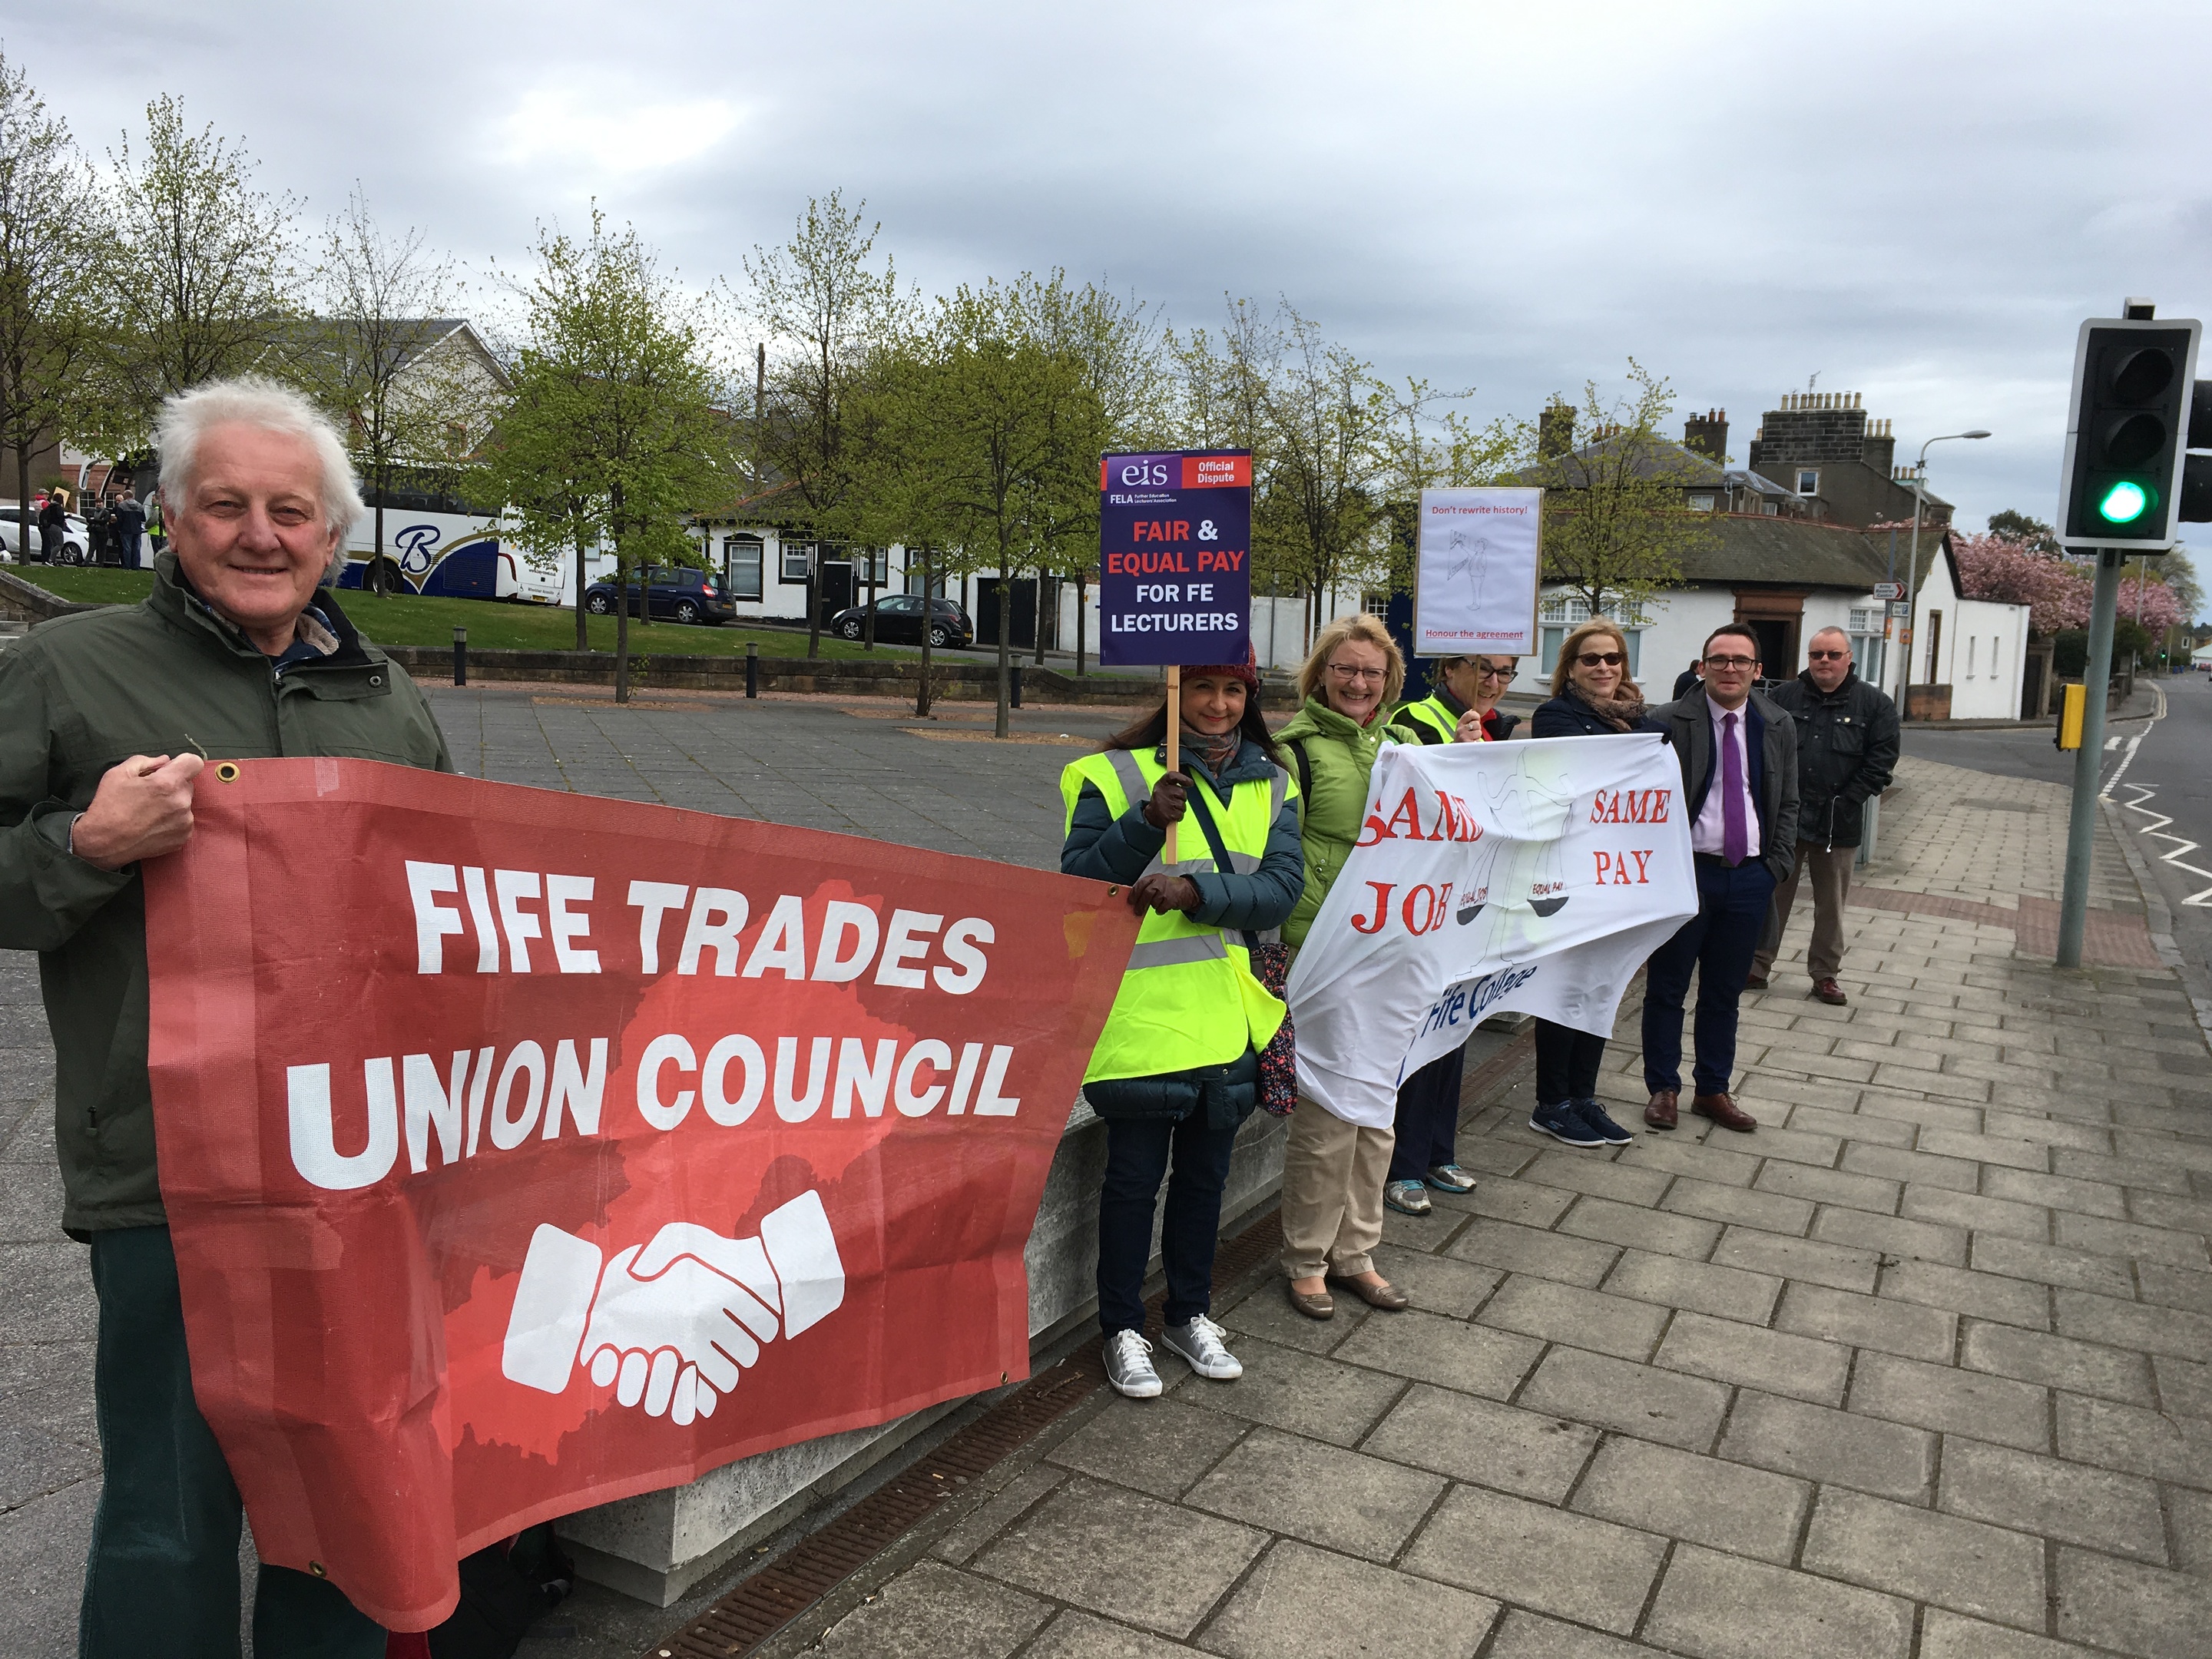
column 1738, row 752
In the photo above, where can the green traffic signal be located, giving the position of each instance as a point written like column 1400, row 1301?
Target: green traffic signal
column 2124, row 503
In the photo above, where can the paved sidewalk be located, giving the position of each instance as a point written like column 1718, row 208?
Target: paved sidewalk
column 1923, row 1367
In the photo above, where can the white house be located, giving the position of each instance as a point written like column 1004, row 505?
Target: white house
column 1976, row 647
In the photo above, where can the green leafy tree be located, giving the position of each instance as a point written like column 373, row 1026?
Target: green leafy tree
column 825, row 310
column 2032, row 533
column 1616, row 527
column 48, row 315
column 616, row 432
column 411, row 391
column 195, row 274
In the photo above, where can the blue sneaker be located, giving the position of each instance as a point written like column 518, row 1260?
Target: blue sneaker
column 1564, row 1122
column 1600, row 1125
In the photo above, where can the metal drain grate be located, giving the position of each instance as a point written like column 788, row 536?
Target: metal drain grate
column 756, row 1608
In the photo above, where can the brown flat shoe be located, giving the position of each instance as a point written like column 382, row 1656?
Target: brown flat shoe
column 1319, row 1305
column 1829, row 991
column 1660, row 1114
column 1755, row 982
column 1724, row 1112
column 1386, row 1295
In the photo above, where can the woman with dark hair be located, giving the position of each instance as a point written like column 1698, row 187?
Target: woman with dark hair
column 1176, row 1071
column 1592, row 695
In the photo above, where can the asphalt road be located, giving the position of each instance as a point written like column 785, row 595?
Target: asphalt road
column 2158, row 771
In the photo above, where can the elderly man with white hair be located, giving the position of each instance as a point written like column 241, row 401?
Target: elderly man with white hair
column 106, row 717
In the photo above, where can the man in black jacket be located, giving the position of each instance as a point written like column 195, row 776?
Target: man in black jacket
column 1738, row 752
column 1847, row 743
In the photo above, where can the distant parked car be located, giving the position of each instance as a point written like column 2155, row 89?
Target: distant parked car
column 899, row 620
column 681, row 594
column 75, row 537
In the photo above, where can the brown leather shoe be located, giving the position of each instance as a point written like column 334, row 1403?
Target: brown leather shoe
column 1660, row 1114
column 1829, row 991
column 1382, row 1294
column 1724, row 1112
column 1756, row 980
column 1319, row 1305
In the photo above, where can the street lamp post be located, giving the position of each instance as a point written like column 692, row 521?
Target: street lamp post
column 1912, row 563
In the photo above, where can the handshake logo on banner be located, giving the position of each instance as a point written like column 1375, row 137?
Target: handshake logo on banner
column 672, row 1323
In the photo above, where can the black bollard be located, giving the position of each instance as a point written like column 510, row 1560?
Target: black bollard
column 1014, row 687
column 460, row 656
column 752, row 668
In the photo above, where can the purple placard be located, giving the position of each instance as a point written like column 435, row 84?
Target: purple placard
column 1174, row 557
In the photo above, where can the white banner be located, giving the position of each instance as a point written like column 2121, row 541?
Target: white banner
column 1475, row 588
column 1535, row 877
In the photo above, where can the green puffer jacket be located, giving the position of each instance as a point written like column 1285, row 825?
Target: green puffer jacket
column 80, row 693
column 1340, row 759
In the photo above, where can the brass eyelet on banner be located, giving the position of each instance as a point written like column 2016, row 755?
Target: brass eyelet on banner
column 228, row 772
column 319, row 1569
column 1113, row 892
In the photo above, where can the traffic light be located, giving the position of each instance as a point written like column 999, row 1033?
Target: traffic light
column 2197, row 468
column 2133, row 378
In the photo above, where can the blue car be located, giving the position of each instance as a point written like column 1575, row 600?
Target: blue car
column 680, row 594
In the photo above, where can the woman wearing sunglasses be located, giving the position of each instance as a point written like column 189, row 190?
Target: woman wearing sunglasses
column 1592, row 695
column 1463, row 709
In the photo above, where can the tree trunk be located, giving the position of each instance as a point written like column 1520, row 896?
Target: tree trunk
column 872, row 590
column 928, row 600
column 376, row 559
column 583, row 635
column 1040, row 617
column 621, row 626
column 1081, row 582
column 1006, row 652
column 24, row 521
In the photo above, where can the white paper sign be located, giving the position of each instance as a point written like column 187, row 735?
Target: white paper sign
column 1535, row 877
column 1479, row 558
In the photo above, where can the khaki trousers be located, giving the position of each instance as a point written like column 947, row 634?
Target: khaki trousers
column 1332, row 1176
column 1832, row 883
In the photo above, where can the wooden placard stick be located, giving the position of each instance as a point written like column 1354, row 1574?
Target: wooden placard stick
column 1168, row 855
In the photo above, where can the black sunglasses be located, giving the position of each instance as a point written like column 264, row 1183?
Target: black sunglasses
column 1610, row 658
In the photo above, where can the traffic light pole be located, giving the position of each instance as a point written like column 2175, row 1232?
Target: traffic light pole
column 2089, row 762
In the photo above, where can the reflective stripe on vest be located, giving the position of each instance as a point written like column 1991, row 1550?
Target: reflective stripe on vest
column 1188, row 998
column 1429, row 715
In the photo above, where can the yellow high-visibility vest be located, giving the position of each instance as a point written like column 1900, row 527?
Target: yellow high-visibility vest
column 1188, row 998
column 1429, row 714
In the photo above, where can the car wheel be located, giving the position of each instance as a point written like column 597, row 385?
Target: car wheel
column 686, row 611
column 598, row 604
column 939, row 634
column 850, row 627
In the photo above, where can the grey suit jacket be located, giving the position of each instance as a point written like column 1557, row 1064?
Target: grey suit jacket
column 1773, row 752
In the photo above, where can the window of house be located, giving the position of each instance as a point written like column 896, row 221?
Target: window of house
column 1809, row 481
column 1560, row 614
column 741, row 558
column 1701, row 503
column 873, row 568
column 1770, row 509
column 798, row 561
column 1973, row 650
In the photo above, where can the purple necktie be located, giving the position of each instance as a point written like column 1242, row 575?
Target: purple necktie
column 1735, row 838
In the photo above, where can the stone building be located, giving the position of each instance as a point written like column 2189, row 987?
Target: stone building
column 1823, row 447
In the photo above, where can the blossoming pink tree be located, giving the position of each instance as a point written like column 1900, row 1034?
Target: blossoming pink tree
column 2055, row 589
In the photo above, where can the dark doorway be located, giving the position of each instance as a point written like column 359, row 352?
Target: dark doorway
column 834, row 590
column 1022, row 632
column 1778, row 647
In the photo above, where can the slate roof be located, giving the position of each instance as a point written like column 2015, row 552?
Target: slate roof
column 1756, row 551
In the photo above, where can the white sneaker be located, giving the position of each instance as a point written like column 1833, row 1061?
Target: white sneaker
column 1199, row 1344
column 1129, row 1365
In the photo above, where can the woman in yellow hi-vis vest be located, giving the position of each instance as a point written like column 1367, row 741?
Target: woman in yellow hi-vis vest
column 1176, row 1069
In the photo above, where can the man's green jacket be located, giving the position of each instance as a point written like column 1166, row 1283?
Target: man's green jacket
column 79, row 694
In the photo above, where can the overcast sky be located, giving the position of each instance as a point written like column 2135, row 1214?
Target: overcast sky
column 1918, row 203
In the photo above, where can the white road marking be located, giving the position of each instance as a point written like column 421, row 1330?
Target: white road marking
column 2201, row 900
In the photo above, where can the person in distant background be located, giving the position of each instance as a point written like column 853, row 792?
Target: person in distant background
column 1688, row 678
column 130, row 521
column 53, row 523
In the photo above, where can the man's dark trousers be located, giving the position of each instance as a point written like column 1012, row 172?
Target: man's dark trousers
column 1718, row 943
column 163, row 1574
column 1428, row 1117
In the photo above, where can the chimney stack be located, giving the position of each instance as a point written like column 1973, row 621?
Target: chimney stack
column 1555, row 431
column 1707, row 435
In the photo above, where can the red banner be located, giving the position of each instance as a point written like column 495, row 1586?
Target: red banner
column 526, row 1151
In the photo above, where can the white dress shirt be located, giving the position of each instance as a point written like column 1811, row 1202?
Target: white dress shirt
column 1709, row 834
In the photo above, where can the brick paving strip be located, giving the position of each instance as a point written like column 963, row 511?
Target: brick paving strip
column 1921, row 1370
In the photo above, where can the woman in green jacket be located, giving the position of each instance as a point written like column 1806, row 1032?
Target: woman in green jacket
column 1334, row 1171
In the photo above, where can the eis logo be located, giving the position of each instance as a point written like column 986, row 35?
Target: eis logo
column 1138, row 472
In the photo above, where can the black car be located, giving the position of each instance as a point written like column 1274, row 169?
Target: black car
column 681, row 594
column 899, row 619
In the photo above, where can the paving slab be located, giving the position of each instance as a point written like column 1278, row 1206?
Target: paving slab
column 1079, row 1636
column 2054, row 1265
column 1705, row 1500
column 2057, row 1362
column 1717, row 1606
column 1636, row 1227
column 1124, row 1555
column 1985, row 1295
column 1305, row 1603
column 1769, row 1212
column 1668, row 1281
column 1547, row 1560
column 1996, row 1408
column 1890, row 1460
column 1730, row 1351
column 1951, row 1636
column 2118, row 1513
column 1447, row 1351
column 1299, row 1488
column 1637, row 1400
column 936, row 1612
column 1811, row 1260
column 1966, row 1565
column 1619, row 1326
column 1288, row 1390
column 2145, row 1611
column 1531, row 1635
column 1852, row 1321
column 1480, row 1441
column 1157, row 1446
column 1532, row 1250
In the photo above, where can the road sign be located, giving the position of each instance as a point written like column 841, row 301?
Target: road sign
column 1900, row 611
column 1889, row 590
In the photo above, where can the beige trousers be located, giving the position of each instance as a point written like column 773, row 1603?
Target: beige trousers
column 1831, row 885
column 1332, row 1176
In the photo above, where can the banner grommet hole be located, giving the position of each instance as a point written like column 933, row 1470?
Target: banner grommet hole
column 319, row 1569
column 227, row 772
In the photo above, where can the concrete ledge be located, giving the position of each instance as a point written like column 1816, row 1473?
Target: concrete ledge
column 656, row 1546
column 29, row 600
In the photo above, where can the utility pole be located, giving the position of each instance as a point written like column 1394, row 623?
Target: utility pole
column 2089, row 760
